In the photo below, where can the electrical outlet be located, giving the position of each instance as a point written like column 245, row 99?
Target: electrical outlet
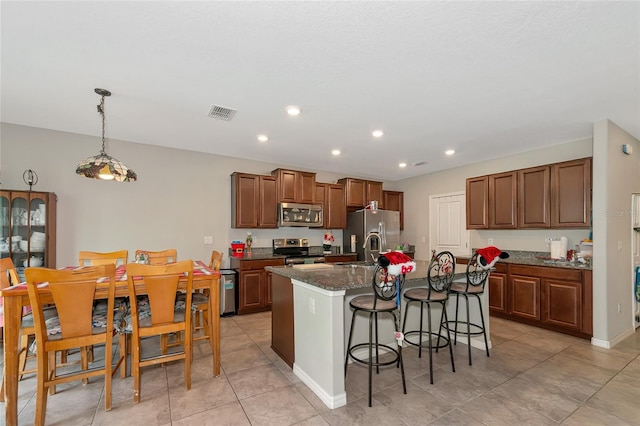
column 619, row 307
column 490, row 241
column 208, row 239
column 548, row 240
column 312, row 305
column 619, row 245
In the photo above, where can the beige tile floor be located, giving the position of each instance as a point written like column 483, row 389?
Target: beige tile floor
column 533, row 377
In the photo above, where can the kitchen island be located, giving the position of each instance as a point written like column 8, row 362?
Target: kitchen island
column 311, row 318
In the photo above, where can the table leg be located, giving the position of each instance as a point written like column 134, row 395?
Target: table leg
column 12, row 317
column 214, row 324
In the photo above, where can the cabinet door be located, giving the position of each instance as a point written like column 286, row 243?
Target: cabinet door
column 503, row 201
column 562, row 303
column 478, row 203
column 374, row 193
column 245, row 200
column 498, row 292
column 356, row 192
column 251, row 291
column 571, row 194
column 394, row 200
column 534, row 198
column 335, row 213
column 307, row 187
column 288, row 185
column 268, row 204
column 320, row 198
column 524, row 296
column 268, row 281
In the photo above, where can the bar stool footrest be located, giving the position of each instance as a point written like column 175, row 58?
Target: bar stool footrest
column 386, row 348
column 451, row 326
column 425, row 343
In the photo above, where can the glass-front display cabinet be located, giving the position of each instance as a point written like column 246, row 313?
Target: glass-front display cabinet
column 28, row 228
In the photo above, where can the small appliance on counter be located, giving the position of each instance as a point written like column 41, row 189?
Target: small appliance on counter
column 237, row 249
column 295, row 250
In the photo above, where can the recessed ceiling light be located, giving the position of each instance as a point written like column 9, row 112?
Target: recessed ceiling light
column 450, row 152
column 263, row 138
column 402, row 165
column 293, row 110
column 335, row 152
column 377, row 133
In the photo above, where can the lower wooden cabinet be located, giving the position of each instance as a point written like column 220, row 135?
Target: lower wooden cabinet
column 498, row 289
column 282, row 326
column 254, row 284
column 558, row 299
column 334, row 258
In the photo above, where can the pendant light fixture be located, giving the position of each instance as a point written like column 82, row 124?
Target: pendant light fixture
column 103, row 166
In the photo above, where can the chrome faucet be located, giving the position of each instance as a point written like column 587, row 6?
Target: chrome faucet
column 370, row 236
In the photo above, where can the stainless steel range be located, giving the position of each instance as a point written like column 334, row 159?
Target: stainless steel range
column 296, row 250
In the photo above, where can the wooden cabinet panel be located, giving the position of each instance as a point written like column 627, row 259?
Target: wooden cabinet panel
column 268, row 206
column 498, row 292
column 587, row 303
column 320, row 192
column 355, row 192
column 562, row 303
column 503, row 201
column 251, row 291
column 374, row 193
column 341, row 258
column 478, row 203
column 571, row 194
column 295, row 186
column 335, row 210
column 253, row 201
column 534, row 198
column 524, row 295
column 282, row 325
column 269, row 288
column 394, row 200
column 307, row 187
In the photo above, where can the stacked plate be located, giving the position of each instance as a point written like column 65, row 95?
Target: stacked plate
column 38, row 240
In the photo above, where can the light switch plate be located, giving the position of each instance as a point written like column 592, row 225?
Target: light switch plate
column 208, row 239
column 490, row 241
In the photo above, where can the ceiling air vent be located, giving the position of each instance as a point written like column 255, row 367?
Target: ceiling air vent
column 419, row 163
column 221, row 113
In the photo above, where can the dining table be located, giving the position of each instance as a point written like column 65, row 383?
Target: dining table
column 17, row 297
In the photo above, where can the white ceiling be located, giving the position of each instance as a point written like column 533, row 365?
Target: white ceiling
column 487, row 79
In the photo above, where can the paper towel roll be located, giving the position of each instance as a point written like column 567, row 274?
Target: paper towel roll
column 556, row 249
column 565, row 246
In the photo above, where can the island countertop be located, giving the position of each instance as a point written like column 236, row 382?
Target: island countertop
column 339, row 277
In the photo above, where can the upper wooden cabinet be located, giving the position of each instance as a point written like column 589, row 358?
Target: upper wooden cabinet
column 550, row 196
column 253, row 201
column 534, row 199
column 295, row 186
column 335, row 210
column 478, row 202
column 360, row 192
column 571, row 194
column 503, row 201
column 394, row 200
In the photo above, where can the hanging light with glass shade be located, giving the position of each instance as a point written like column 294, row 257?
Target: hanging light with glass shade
column 103, row 166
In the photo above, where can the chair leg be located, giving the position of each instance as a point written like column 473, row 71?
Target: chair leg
column 24, row 351
column 404, row 383
column 51, row 372
column 84, row 361
column 42, row 362
column 370, row 354
column 346, row 359
column 420, row 330
column 440, row 329
column 430, row 342
column 466, row 298
column 135, row 368
column 377, row 346
column 122, row 343
column 455, row 333
column 446, row 322
column 484, row 330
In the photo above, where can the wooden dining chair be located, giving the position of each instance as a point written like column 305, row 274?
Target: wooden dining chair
column 201, row 301
column 161, row 284
column 73, row 293
column 160, row 257
column 92, row 258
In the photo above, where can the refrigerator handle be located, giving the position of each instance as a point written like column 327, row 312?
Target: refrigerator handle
column 383, row 237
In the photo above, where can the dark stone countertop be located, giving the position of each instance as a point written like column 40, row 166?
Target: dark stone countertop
column 537, row 258
column 350, row 276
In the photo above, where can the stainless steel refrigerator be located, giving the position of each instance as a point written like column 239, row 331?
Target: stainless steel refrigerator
column 371, row 232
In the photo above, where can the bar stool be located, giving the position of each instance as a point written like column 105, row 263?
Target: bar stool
column 386, row 288
column 473, row 286
column 439, row 276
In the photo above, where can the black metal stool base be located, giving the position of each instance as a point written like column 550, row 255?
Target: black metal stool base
column 425, row 343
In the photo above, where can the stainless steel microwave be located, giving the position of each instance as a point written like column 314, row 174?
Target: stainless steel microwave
column 307, row 215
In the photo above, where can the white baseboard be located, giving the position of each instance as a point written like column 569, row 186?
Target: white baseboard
column 330, row 401
column 608, row 344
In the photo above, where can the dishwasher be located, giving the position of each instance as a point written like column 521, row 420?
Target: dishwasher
column 228, row 292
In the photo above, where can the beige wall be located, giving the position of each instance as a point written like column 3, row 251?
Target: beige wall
column 417, row 191
column 615, row 177
column 180, row 196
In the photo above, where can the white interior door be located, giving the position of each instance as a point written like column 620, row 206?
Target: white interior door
column 447, row 224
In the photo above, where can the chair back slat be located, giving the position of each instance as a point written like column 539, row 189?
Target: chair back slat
column 440, row 272
column 216, row 260
column 93, row 258
column 162, row 257
column 162, row 297
column 8, row 274
column 74, row 302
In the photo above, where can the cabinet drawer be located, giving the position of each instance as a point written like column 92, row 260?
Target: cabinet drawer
column 546, row 272
column 245, row 265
